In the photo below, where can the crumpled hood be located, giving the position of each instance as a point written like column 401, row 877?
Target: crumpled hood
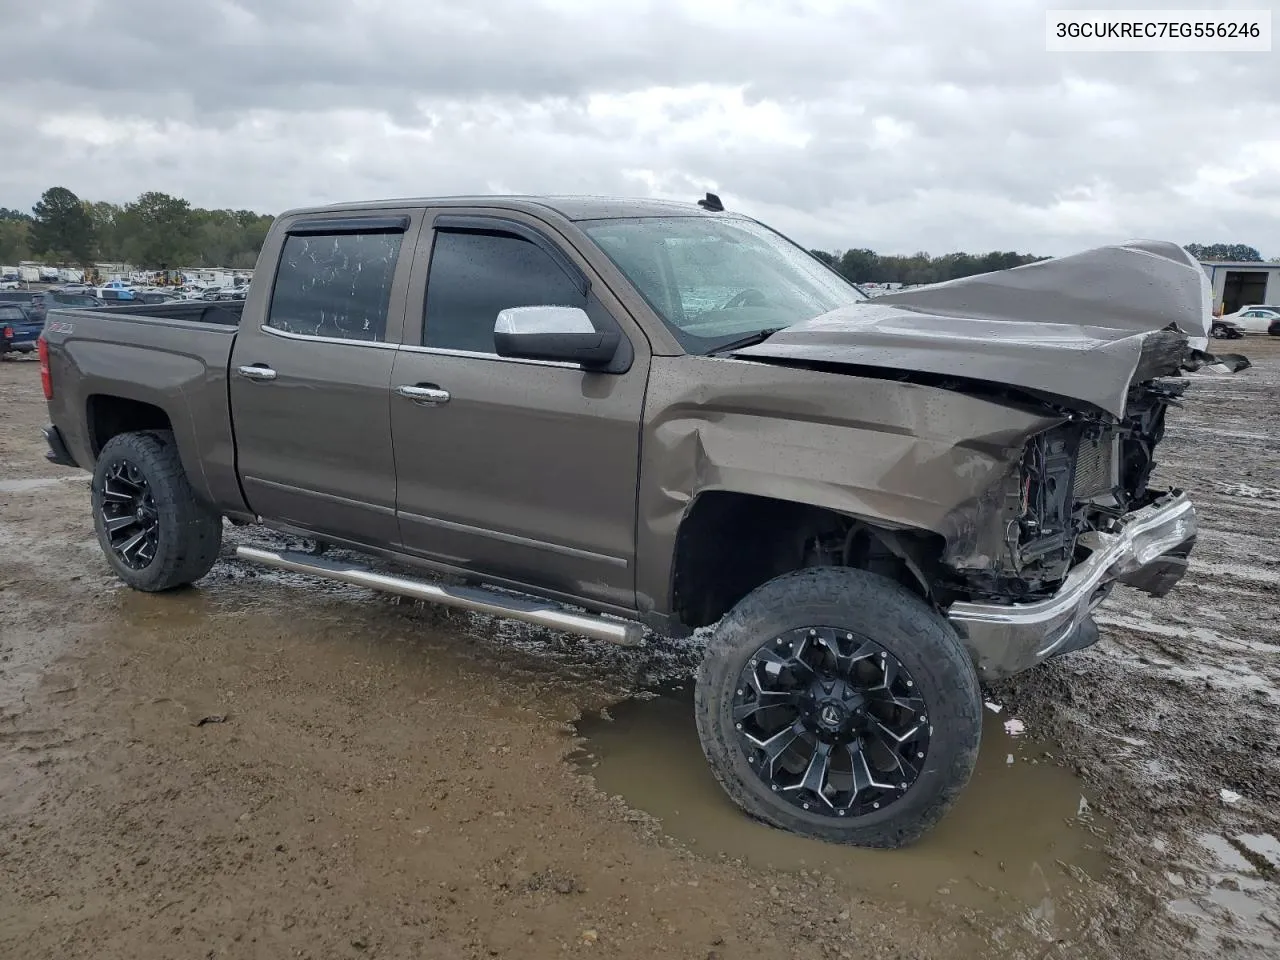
column 1073, row 327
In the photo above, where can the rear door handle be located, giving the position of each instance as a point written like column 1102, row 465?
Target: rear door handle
column 427, row 393
column 256, row 372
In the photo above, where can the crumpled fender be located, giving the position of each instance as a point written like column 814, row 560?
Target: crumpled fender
column 898, row 454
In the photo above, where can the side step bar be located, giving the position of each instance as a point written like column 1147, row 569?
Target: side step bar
column 545, row 614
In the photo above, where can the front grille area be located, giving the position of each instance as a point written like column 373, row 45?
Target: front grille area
column 1095, row 467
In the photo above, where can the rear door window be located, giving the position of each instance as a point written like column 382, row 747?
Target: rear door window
column 335, row 285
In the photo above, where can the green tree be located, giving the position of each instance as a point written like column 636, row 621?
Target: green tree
column 860, row 266
column 158, row 231
column 62, row 229
column 15, row 244
column 106, row 229
column 1223, row 251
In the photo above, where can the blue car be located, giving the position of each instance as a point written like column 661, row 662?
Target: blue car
column 19, row 329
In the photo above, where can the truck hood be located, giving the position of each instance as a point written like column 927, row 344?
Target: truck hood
column 1075, row 327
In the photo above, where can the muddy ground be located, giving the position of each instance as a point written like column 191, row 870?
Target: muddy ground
column 270, row 767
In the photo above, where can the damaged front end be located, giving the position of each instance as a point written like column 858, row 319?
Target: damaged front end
column 1097, row 344
column 1076, row 515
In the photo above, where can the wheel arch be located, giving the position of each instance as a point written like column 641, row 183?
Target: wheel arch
column 728, row 543
column 111, row 413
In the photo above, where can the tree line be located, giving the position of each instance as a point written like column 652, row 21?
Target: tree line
column 159, row 231
column 155, row 231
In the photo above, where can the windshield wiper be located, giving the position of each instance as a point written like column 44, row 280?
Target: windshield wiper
column 750, row 340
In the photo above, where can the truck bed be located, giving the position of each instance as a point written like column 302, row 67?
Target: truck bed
column 165, row 363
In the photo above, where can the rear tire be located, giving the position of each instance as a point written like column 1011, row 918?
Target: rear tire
column 154, row 532
column 869, row 671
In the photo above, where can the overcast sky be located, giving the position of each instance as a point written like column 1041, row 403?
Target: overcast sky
column 890, row 125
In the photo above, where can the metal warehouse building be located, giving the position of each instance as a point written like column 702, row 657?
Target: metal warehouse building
column 1242, row 283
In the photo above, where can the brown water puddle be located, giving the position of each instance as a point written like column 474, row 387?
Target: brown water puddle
column 1021, row 840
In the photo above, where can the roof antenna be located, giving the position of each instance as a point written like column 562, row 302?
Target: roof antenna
column 711, row 202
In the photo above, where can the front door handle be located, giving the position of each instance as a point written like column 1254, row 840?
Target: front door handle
column 423, row 393
column 256, row 372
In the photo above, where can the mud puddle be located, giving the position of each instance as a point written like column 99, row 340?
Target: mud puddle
column 1022, row 842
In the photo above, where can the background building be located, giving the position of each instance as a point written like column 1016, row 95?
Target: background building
column 1242, row 283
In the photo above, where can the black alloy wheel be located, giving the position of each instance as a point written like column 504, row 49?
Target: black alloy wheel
column 129, row 515
column 155, row 532
column 840, row 705
column 831, row 721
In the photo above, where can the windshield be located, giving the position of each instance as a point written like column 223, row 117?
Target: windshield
column 715, row 280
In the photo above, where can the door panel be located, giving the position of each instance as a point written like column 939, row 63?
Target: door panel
column 314, row 442
column 527, row 472
column 310, row 386
column 522, row 470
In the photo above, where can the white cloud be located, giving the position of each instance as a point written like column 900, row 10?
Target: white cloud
column 935, row 126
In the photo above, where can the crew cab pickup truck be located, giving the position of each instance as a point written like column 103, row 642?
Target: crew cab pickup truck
column 611, row 415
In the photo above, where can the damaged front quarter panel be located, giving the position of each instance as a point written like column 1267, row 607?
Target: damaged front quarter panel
column 899, row 455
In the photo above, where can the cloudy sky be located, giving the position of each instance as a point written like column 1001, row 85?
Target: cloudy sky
column 896, row 126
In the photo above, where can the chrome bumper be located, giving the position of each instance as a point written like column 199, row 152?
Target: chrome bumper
column 1149, row 551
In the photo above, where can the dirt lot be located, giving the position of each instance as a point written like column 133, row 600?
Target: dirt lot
column 380, row 779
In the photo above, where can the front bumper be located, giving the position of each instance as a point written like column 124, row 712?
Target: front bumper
column 1148, row 551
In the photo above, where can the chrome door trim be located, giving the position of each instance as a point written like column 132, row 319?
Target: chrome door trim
column 341, row 341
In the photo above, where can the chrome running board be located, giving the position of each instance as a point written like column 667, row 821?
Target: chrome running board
column 543, row 613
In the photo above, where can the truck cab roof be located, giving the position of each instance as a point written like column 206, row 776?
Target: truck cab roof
column 570, row 207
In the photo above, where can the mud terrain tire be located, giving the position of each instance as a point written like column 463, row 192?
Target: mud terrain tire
column 896, row 622
column 186, row 533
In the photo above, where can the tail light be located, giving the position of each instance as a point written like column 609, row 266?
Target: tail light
column 46, row 380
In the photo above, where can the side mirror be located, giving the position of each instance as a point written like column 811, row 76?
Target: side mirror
column 559, row 334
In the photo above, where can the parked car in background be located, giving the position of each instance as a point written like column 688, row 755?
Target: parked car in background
column 19, row 329
column 1223, row 329
column 17, row 296
column 45, row 300
column 10, row 283
column 1254, row 319
column 1274, row 328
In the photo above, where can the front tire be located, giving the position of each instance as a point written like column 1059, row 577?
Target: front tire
column 835, row 703
column 155, row 533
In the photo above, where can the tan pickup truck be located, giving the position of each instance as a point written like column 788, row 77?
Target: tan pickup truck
column 612, row 415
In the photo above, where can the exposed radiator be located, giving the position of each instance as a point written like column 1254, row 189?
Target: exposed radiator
column 1095, row 467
